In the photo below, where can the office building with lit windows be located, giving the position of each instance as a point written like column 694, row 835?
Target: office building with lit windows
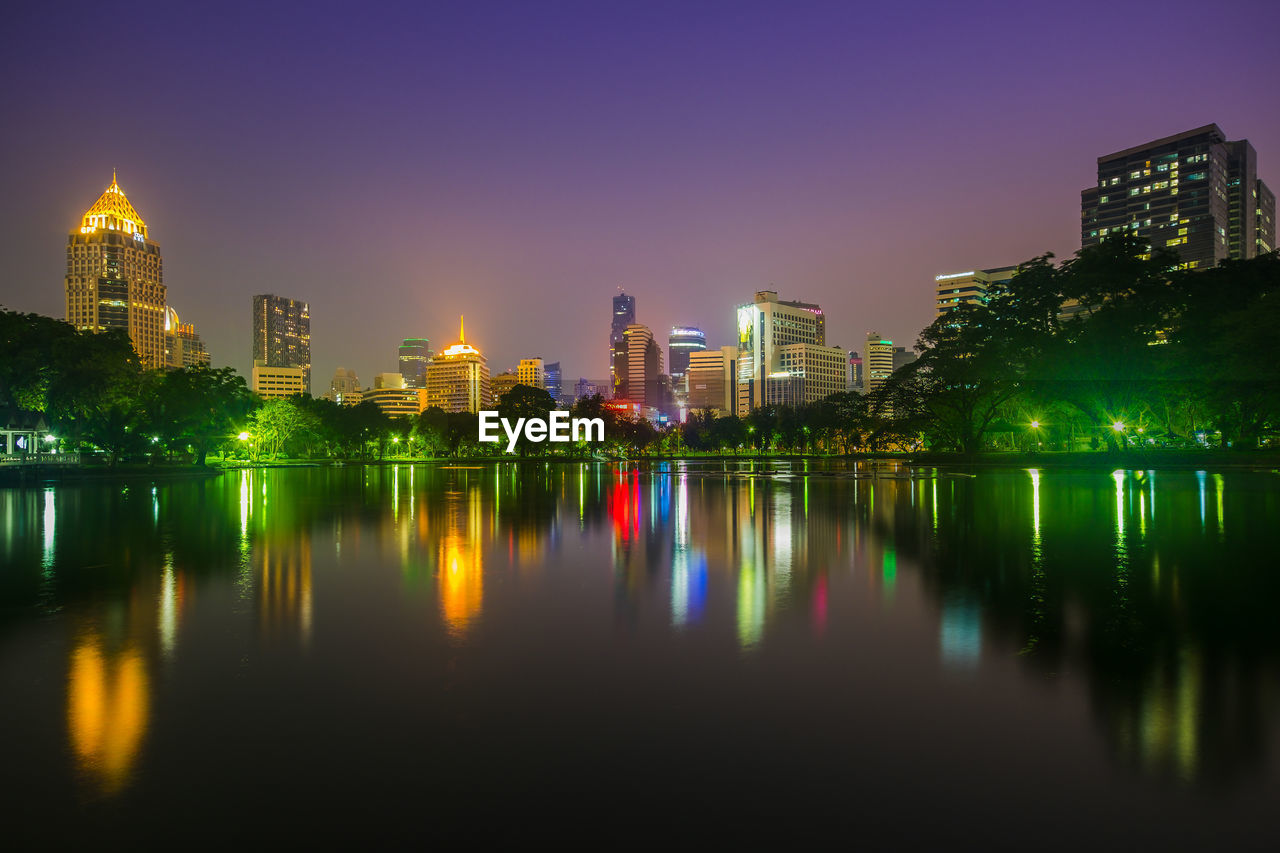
column 1194, row 192
column 711, row 380
column 273, row 382
column 641, row 371
column 282, row 334
column 413, row 356
column 970, row 287
column 682, row 343
column 765, row 327
column 555, row 383
column 115, row 276
column 624, row 315
column 878, row 364
column 458, row 378
column 531, row 372
column 182, row 345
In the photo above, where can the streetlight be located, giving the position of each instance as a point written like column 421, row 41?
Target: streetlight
column 244, row 436
column 1118, row 426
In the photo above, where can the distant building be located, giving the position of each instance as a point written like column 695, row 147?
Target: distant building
column 530, row 372
column 624, row 315
column 902, row 357
column 182, row 346
column 458, row 378
column 640, row 382
column 555, row 383
column 710, row 380
column 396, row 402
column 879, row 362
column 344, row 388
column 1194, row 192
column 584, row 388
column 971, row 287
column 414, row 355
column 282, row 334
column 767, row 325
column 115, row 276
column 681, row 343
column 272, row 382
column 501, row 383
column 855, row 371
column 806, row 374
column 389, row 381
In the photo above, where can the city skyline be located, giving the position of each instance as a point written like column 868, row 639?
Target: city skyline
column 812, row 212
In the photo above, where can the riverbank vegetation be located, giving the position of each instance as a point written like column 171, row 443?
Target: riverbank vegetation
column 1115, row 349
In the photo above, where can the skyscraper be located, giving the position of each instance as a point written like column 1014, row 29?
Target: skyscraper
column 458, row 378
column 414, row 354
column 710, row 378
column 115, row 277
column 879, row 362
column 766, row 327
column 182, row 346
column 642, row 367
column 1194, row 192
column 555, row 383
column 624, row 314
column 282, row 334
column 683, row 341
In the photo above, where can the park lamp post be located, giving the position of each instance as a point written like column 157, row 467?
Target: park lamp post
column 1035, row 434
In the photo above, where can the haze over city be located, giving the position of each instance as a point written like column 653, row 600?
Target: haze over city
column 399, row 166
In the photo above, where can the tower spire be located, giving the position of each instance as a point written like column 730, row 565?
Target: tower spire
column 462, row 337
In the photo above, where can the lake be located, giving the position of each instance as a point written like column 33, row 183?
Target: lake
column 1024, row 658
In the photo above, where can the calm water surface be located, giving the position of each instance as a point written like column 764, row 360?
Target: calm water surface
column 1026, row 658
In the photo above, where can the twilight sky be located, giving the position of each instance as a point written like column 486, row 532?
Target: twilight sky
column 397, row 165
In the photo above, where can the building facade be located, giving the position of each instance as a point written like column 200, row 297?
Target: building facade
column 344, row 388
column 764, row 327
column 272, row 382
column 115, row 276
column 624, row 315
column 710, row 380
column 640, row 381
column 414, row 354
column 501, row 383
column 396, row 402
column 555, row 383
column 681, row 344
column 1195, row 193
column 182, row 346
column 531, row 372
column 282, row 334
column 458, row 378
column 972, row 287
column 878, row 362
column 584, row 388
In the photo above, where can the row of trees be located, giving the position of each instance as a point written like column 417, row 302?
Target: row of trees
column 1112, row 347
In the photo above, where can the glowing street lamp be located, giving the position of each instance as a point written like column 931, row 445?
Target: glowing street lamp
column 1118, row 426
column 1035, row 425
column 244, row 436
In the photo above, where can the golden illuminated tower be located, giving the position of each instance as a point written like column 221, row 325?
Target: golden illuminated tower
column 115, row 278
column 458, row 378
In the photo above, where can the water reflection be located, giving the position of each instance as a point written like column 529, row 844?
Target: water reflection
column 1165, row 623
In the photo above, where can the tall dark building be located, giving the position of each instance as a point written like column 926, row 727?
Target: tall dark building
column 282, row 334
column 624, row 314
column 683, row 341
column 554, row 381
column 414, row 354
column 1195, row 193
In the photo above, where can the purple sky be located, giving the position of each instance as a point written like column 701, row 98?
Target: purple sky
column 518, row 162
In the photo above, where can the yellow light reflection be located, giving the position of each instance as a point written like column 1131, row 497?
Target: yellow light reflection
column 107, row 711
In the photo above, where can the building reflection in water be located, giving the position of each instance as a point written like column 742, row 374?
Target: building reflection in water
column 460, row 577
column 283, row 558
column 108, row 708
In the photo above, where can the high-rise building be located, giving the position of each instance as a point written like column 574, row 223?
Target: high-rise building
column 182, row 346
column 555, row 383
column 624, row 314
column 710, row 379
column 855, row 371
column 640, row 380
column 972, row 287
column 1194, row 192
column 764, row 327
column 530, row 372
column 879, row 362
column 683, row 341
column 414, row 355
column 458, row 378
column 282, row 334
column 115, row 276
